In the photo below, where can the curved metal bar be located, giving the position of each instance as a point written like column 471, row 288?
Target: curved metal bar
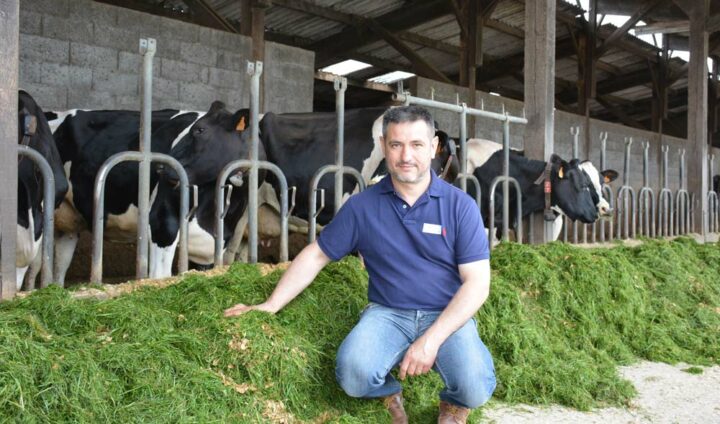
column 682, row 206
column 491, row 228
column 48, row 210
column 647, row 210
column 312, row 212
column 463, row 145
column 713, row 211
column 623, row 194
column 666, row 213
column 340, row 85
column 220, row 206
column 476, row 183
column 99, row 207
column 610, row 196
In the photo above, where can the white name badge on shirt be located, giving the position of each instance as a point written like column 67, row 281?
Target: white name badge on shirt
column 432, row 228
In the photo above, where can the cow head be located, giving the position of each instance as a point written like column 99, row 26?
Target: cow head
column 572, row 190
column 213, row 141
column 607, row 176
column 445, row 163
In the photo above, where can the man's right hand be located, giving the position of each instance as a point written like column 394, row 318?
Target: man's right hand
column 241, row 308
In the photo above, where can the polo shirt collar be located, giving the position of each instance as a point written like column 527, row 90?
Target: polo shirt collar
column 435, row 189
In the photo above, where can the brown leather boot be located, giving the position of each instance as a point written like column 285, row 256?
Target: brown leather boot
column 452, row 414
column 394, row 405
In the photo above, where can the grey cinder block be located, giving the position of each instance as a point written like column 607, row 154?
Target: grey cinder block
column 62, row 28
column 198, row 53
column 30, row 22
column 226, row 79
column 93, row 56
column 83, row 99
column 183, row 71
column 66, row 76
column 113, row 81
column 43, row 49
column 49, row 98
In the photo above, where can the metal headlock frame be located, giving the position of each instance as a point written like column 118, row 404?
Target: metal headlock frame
column 626, row 195
column 666, row 211
column 254, row 69
column 646, row 198
column 713, row 211
column 42, row 165
column 683, row 203
column 606, row 192
column 339, row 168
column 145, row 156
column 575, row 131
column 506, row 118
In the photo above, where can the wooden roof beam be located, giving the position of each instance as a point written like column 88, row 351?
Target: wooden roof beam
column 422, row 66
column 664, row 28
column 627, row 26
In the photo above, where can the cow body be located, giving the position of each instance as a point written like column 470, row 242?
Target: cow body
column 85, row 140
column 576, row 190
column 30, row 188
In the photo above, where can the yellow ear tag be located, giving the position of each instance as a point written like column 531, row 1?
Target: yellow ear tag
column 240, row 125
column 607, row 179
column 561, row 173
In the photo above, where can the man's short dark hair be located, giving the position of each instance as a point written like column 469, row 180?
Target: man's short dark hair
column 412, row 113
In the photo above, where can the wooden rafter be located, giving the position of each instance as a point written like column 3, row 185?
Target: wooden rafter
column 713, row 23
column 206, row 14
column 459, row 13
column 673, row 27
column 354, row 37
column 324, row 76
column 629, row 24
column 419, row 64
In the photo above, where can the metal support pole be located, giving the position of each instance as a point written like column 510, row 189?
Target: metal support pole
column 463, row 146
column 255, row 71
column 48, row 211
column 222, row 202
column 682, row 199
column 491, row 228
column 605, row 190
column 9, row 51
column 99, row 208
column 340, row 87
column 313, row 212
column 147, row 51
column 665, row 200
column 626, row 195
column 712, row 199
column 505, row 181
column 646, row 198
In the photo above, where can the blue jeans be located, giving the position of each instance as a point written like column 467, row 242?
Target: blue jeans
column 379, row 341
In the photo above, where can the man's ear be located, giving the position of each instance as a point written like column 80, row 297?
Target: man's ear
column 382, row 144
column 435, row 143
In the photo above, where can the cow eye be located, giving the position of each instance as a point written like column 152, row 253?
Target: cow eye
column 199, row 130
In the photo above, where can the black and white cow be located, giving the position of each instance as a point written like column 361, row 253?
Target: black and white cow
column 213, row 141
column 85, row 140
column 576, row 185
column 298, row 143
column 33, row 131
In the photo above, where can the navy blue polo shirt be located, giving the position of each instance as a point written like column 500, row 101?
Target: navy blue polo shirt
column 411, row 253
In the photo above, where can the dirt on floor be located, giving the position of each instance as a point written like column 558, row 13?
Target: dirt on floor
column 666, row 394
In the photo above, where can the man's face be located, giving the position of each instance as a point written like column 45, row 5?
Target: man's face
column 409, row 147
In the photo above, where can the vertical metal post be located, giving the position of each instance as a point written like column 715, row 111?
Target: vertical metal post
column 463, row 146
column 340, row 87
column 665, row 200
column 255, row 71
column 506, row 174
column 147, row 50
column 626, row 195
column 712, row 197
column 575, row 131
column 9, row 24
column 646, row 198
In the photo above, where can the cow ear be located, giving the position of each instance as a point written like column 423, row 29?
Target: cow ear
column 240, row 120
column 216, row 106
column 609, row 175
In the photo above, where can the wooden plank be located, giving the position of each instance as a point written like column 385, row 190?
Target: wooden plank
column 9, row 50
column 663, row 28
column 422, row 67
column 315, row 10
column 457, row 8
column 246, row 17
column 324, row 76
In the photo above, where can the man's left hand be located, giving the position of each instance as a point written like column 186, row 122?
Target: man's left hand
column 419, row 358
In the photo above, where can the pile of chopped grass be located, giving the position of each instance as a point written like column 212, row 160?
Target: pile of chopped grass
column 558, row 322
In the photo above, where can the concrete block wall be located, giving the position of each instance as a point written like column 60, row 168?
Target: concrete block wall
column 84, row 54
column 589, row 144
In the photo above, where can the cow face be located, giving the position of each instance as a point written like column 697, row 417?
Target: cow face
column 445, row 162
column 607, row 176
column 573, row 191
column 212, row 142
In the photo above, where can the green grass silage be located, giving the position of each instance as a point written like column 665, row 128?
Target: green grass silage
column 558, row 322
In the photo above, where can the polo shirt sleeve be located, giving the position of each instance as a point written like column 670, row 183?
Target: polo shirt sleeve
column 340, row 237
column 471, row 243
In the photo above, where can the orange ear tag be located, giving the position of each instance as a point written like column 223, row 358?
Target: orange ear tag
column 240, row 125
